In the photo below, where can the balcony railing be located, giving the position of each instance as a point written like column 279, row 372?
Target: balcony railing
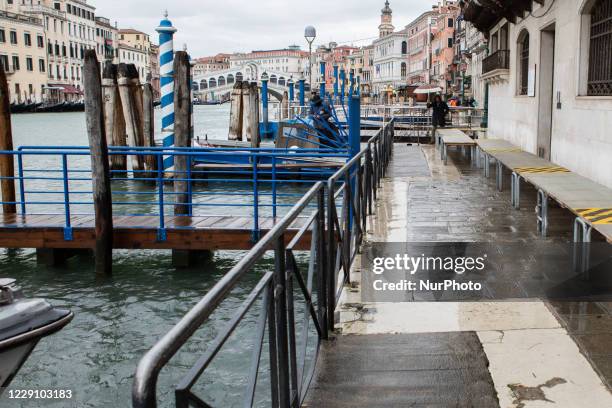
column 498, row 60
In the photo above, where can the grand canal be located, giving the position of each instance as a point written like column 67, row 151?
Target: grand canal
column 118, row 318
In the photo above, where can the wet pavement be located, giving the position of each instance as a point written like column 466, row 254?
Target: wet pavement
column 539, row 353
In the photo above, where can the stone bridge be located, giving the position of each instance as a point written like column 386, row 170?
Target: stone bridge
column 220, row 83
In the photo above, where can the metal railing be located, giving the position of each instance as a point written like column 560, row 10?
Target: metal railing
column 498, row 60
column 267, row 181
column 335, row 236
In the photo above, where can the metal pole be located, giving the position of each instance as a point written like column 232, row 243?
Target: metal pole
column 302, row 91
column 343, row 79
column 322, row 85
column 310, row 62
column 352, row 79
column 264, row 104
column 335, row 84
column 291, row 91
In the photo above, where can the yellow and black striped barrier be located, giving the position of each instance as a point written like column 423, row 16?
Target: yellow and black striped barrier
column 504, row 150
column 543, row 169
column 596, row 215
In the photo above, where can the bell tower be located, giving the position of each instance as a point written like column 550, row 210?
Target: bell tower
column 386, row 27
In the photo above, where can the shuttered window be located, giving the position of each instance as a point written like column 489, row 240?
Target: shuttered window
column 600, row 50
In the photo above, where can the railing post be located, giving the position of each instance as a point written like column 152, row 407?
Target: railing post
column 21, row 182
column 255, row 232
column 321, row 267
column 280, row 301
column 331, row 255
column 289, row 271
column 67, row 226
column 161, row 232
column 273, row 186
column 347, row 215
column 273, row 346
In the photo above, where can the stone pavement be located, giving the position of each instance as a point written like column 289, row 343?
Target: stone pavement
column 539, row 354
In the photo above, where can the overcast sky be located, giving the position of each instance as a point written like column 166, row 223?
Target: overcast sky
column 212, row 26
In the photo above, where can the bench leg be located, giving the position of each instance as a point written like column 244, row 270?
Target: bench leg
column 582, row 239
column 515, row 194
column 542, row 213
column 487, row 165
column 477, row 156
column 445, row 153
column 500, row 176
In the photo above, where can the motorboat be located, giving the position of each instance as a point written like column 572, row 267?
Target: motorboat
column 23, row 322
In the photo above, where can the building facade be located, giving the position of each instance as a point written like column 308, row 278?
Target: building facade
column 107, row 40
column 23, row 56
column 390, row 63
column 135, row 48
column 290, row 61
column 549, row 75
column 443, row 51
column 206, row 65
column 419, row 48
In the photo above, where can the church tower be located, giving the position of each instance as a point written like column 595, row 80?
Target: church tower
column 386, row 27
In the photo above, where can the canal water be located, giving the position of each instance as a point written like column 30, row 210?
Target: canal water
column 118, row 319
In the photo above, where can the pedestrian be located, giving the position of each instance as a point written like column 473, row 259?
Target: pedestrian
column 438, row 115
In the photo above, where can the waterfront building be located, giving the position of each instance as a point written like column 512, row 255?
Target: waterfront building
column 135, row 48
column 107, row 40
column 214, row 63
column 290, row 61
column 472, row 46
column 23, row 55
column 444, row 56
column 390, row 63
column 549, row 78
column 154, row 70
column 366, row 71
column 419, row 34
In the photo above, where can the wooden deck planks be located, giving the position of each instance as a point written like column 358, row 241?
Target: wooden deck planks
column 138, row 232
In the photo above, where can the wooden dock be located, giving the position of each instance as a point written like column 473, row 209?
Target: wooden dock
column 139, row 232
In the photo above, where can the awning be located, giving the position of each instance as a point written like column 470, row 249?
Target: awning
column 427, row 89
column 67, row 89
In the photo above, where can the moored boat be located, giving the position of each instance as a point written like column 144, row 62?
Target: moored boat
column 23, row 322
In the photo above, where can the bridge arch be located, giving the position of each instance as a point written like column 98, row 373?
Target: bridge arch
column 282, row 81
column 239, row 76
column 212, row 83
column 203, row 84
column 273, row 79
column 230, row 79
column 221, row 81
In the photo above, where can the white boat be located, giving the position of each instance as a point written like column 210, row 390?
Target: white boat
column 23, row 322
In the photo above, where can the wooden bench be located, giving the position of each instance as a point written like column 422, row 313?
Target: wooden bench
column 590, row 202
column 454, row 138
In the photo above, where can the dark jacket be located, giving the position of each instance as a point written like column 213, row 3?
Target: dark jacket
column 438, row 116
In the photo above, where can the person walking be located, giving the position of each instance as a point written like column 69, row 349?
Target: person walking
column 438, row 115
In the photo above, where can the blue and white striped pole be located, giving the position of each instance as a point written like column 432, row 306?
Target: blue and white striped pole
column 335, row 84
column 166, row 61
column 322, row 84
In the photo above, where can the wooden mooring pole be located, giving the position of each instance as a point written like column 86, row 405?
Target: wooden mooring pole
column 251, row 114
column 114, row 123
column 7, row 163
column 182, row 138
column 131, row 113
column 149, row 127
column 99, row 164
column 236, row 112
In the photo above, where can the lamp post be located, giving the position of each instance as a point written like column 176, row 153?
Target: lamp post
column 310, row 33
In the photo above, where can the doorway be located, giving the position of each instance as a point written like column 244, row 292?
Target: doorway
column 546, row 91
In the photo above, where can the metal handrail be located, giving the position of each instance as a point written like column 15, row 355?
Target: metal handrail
column 360, row 175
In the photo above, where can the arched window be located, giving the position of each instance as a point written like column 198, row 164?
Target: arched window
column 195, row 87
column 212, row 83
column 523, row 62
column 239, row 76
column 403, row 70
column 273, row 79
column 404, row 48
column 281, row 81
column 221, row 81
column 230, row 79
column 597, row 43
column 203, row 84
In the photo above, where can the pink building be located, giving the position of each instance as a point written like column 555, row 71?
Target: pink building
column 443, row 46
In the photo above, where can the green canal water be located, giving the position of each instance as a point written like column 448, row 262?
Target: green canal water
column 117, row 319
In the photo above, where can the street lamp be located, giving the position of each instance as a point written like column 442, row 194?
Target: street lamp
column 310, row 33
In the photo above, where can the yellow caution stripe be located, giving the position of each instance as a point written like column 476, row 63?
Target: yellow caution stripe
column 544, row 169
column 504, row 150
column 596, row 215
